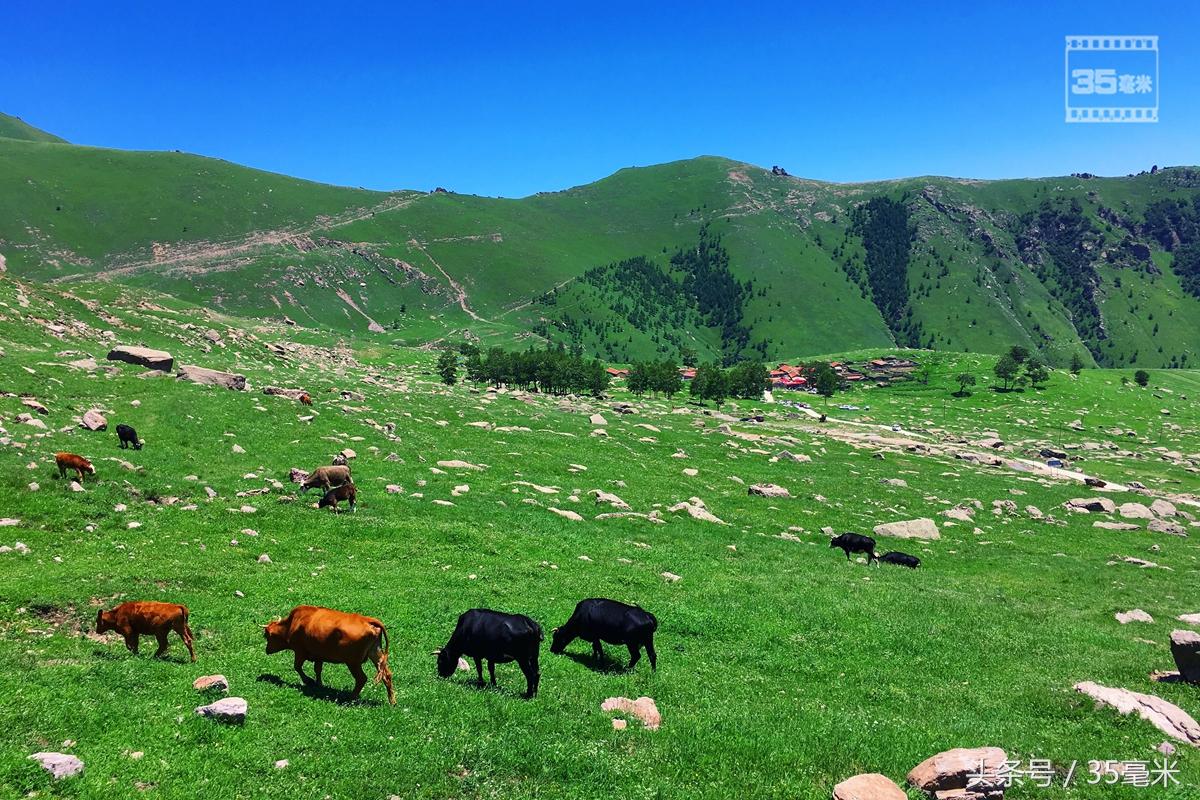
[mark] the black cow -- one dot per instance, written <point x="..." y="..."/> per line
<point x="128" y="436"/>
<point x="497" y="637"/>
<point x="855" y="543"/>
<point x="598" y="620"/>
<point x="900" y="559"/>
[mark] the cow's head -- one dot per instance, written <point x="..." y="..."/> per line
<point x="276" y="634"/>
<point x="834" y="541"/>
<point x="103" y="622"/>
<point x="446" y="663"/>
<point x="88" y="468"/>
<point x="558" y="640"/>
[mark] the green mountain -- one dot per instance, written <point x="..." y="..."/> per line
<point x="17" y="128"/>
<point x="717" y="256"/>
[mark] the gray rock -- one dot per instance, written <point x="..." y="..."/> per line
<point x="142" y="357"/>
<point x="922" y="528"/>
<point x="211" y="683"/>
<point x="212" y="377"/>
<point x="1185" y="648"/>
<point x="227" y="709"/>
<point x="60" y="765"/>
<point x="768" y="490"/>
<point x="1166" y="526"/>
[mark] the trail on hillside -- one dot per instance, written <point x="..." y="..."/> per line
<point x="182" y="255"/>
<point x="460" y="293"/>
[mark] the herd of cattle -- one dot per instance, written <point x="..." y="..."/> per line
<point x="324" y="635"/>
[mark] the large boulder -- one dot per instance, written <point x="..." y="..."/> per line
<point x="1167" y="717"/>
<point x="93" y="420"/>
<point x="143" y="357"/>
<point x="868" y="786"/>
<point x="1135" y="511"/>
<point x="1166" y="526"/>
<point x="1163" y="508"/>
<point x="212" y="377"/>
<point x="60" y="765"/>
<point x="922" y="528"/>
<point x="952" y="770"/>
<point x="1093" y="505"/>
<point x="1185" y="648"/>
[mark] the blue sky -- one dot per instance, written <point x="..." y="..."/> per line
<point x="512" y="98"/>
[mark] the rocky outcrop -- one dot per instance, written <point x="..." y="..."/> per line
<point x="142" y="357"/>
<point x="212" y="377"/>
<point x="1167" y="717"/>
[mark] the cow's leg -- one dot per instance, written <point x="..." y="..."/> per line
<point x="651" y="654"/>
<point x="635" y="654"/>
<point x="479" y="669"/>
<point x="597" y="650"/>
<point x="298" y="663"/>
<point x="492" y="671"/>
<point x="532" y="676"/>
<point x="131" y="641"/>
<point x="847" y="552"/>
<point x="162" y="644"/>
<point x="360" y="680"/>
<point x="186" y="634"/>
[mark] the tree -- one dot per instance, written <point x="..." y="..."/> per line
<point x="1036" y="372"/>
<point x="475" y="371"/>
<point x="687" y="356"/>
<point x="825" y="380"/>
<point x="749" y="380"/>
<point x="1076" y="364"/>
<point x="667" y="379"/>
<point x="964" y="379"/>
<point x="1007" y="369"/>
<point x="638" y="381"/>
<point x="1019" y="353"/>
<point x="447" y="367"/>
<point x="1141" y="377"/>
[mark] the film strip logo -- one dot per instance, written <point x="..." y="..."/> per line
<point x="1112" y="78"/>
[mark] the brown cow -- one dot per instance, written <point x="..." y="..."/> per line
<point x="66" y="461"/>
<point x="344" y="492"/>
<point x="322" y="634"/>
<point x="326" y="478"/>
<point x="305" y="400"/>
<point x="147" y="617"/>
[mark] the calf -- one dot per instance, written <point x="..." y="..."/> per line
<point x="598" y="620"/>
<point x="855" y="543"/>
<point x="326" y="478"/>
<point x="150" y="618"/>
<point x="128" y="436"/>
<point x="499" y="638"/>
<point x="66" y="461"/>
<point x="344" y="492"/>
<point x="900" y="559"/>
<point x="322" y="634"/>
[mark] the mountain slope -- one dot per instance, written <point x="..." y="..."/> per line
<point x="17" y="128"/>
<point x="1075" y="266"/>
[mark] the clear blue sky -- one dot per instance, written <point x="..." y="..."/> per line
<point x="488" y="99"/>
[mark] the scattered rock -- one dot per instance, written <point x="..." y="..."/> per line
<point x="696" y="509"/>
<point x="787" y="455"/>
<point x="898" y="482"/>
<point x="643" y="708"/>
<point x="567" y="514"/>
<point x="60" y="765"/>
<point x="212" y="377"/>
<point x="1116" y="526"/>
<point x="1167" y="717"/>
<point x="29" y="402"/>
<point x="768" y="490"/>
<point x="1166" y="526"/>
<point x="952" y="770"/>
<point x="1136" y="615"/>
<point x="868" y="786"/>
<point x="1094" y="505"/>
<point x="227" y="709"/>
<point x="922" y="528"/>
<point x="603" y="497"/>
<point x="456" y="464"/>
<point x="1135" y="511"/>
<point x="671" y="577"/>
<point x="211" y="683"/>
<point x="1163" y="508"/>
<point x="597" y="419"/>
<point x="1185" y="649"/>
<point x="142" y="357"/>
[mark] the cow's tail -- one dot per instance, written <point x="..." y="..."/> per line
<point x="383" y="674"/>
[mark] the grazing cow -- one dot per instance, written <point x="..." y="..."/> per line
<point x="598" y="620"/>
<point x="305" y="400"/>
<point x="900" y="559"/>
<point x="128" y="436"/>
<point x="326" y="478"/>
<point x="322" y="634"/>
<point x="150" y="618"/>
<point x="855" y="543"/>
<point x="344" y="492"/>
<point x="485" y="634"/>
<point x="66" y="461"/>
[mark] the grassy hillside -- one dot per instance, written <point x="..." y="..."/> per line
<point x="783" y="668"/>
<point x="17" y="128"/>
<point x="1074" y="266"/>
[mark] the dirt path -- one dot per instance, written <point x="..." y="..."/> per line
<point x="181" y="255"/>
<point x="460" y="294"/>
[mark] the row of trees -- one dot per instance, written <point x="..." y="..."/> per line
<point x="553" y="370"/>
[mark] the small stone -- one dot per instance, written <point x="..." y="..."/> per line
<point x="211" y="683"/>
<point x="264" y="559"/>
<point x="671" y="577"/>
<point x="281" y="764"/>
<point x="1136" y="615"/>
<point x="60" y="765"/>
<point x="237" y="448"/>
<point x="228" y="709"/>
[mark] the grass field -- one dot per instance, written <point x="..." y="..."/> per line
<point x="783" y="668"/>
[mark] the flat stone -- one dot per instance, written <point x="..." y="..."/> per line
<point x="922" y="528"/>
<point x="868" y="786"/>
<point x="142" y="357"/>
<point x="1136" y="615"/>
<point x="60" y="765"/>
<point x="211" y="683"/>
<point x="227" y="709"/>
<point x="953" y="769"/>
<point x="1167" y="717"/>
